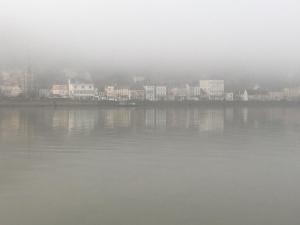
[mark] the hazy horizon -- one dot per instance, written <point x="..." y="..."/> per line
<point x="170" y="38"/>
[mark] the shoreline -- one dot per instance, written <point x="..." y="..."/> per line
<point x="90" y="103"/>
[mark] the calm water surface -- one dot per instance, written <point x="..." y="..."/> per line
<point x="145" y="166"/>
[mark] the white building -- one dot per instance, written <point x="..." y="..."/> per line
<point x="196" y="91"/>
<point x="81" y="90"/>
<point x="155" y="93"/>
<point x="213" y="89"/>
<point x="229" y="96"/>
<point x="160" y="93"/>
<point x="244" y="96"/>
<point x="150" y="93"/>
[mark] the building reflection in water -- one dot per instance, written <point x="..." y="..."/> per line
<point x="74" y="120"/>
<point x="203" y="120"/>
<point x="10" y="123"/>
<point x="31" y="126"/>
<point x="17" y="122"/>
<point x="19" y="126"/>
<point x="211" y="120"/>
<point x="245" y="115"/>
<point x="114" y="118"/>
<point x="229" y="115"/>
<point x="86" y="120"/>
<point x="60" y="119"/>
<point x="150" y="118"/>
<point x="156" y="118"/>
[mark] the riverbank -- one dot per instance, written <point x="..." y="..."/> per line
<point x="76" y="103"/>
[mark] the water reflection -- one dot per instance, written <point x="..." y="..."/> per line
<point x="115" y="164"/>
<point x="156" y="118"/>
<point x="245" y="115"/>
<point x="73" y="120"/>
<point x="114" y="118"/>
<point x="27" y="120"/>
<point x="10" y="122"/>
<point x="211" y="120"/>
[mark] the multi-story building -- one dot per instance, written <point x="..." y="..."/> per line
<point x="155" y="93"/>
<point x="137" y="94"/>
<point x="192" y="92"/>
<point x="44" y="93"/>
<point x="160" y="93"/>
<point x="150" y="93"/>
<point x="178" y="93"/>
<point x="213" y="89"/>
<point x="292" y="93"/>
<point x="258" y="95"/>
<point x="81" y="90"/>
<point x="122" y="93"/>
<point x="59" y="90"/>
<point x="12" y="83"/>
<point x="109" y="92"/>
<point x="171" y="95"/>
<point x="196" y="91"/>
<point x="113" y="93"/>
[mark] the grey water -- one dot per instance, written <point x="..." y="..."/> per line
<point x="150" y="166"/>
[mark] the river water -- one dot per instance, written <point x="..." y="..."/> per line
<point x="150" y="166"/>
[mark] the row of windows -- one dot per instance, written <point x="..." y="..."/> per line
<point x="83" y="92"/>
<point x="83" y="87"/>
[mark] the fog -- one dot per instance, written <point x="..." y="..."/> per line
<point x="164" y="37"/>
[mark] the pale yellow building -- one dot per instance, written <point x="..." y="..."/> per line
<point x="213" y="89"/>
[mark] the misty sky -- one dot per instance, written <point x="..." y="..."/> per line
<point x="153" y="35"/>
